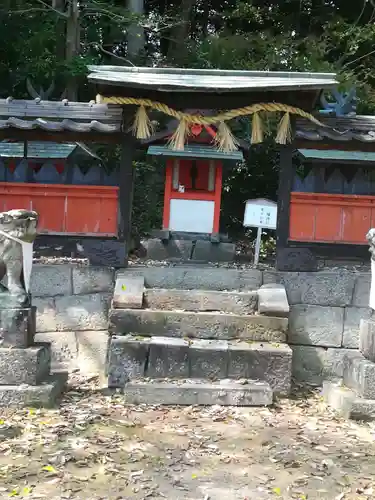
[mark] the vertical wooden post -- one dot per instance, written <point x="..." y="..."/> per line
<point x="283" y="196"/>
<point x="126" y="187"/>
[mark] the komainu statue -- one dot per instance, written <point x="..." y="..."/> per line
<point x="18" y="230"/>
<point x="370" y="236"/>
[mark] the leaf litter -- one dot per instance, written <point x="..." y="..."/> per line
<point x="94" y="446"/>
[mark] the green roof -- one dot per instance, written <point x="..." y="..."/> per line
<point x="195" y="151"/>
<point x="44" y="150"/>
<point x="333" y="154"/>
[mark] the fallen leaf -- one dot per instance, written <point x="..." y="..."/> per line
<point x="49" y="468"/>
<point x="277" y="491"/>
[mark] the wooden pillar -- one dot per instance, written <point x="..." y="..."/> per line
<point x="283" y="196"/>
<point x="126" y="187"/>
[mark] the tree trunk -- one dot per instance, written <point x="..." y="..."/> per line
<point x="180" y="34"/>
<point x="72" y="46"/>
<point x="135" y="35"/>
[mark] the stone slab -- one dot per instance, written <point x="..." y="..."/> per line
<point x="82" y="312"/>
<point x="107" y="253"/>
<point x="214" y="252"/>
<point x="270" y="362"/>
<point x="208" y="359"/>
<point x="93" y="350"/>
<point x="17" y="327"/>
<point x="51" y="280"/>
<point x="201" y="300"/>
<point x="199" y="392"/>
<point x="168" y="249"/>
<point x="128" y="292"/>
<point x="24" y="366"/>
<point x="273" y="301"/>
<point x="296" y="259"/>
<point x="43" y="395"/>
<point x="45" y="315"/>
<point x="92" y="279"/>
<point x="316" y="325"/>
<point x="359" y="375"/>
<point x="64" y="348"/>
<point x="361" y="295"/>
<point x="367" y="338"/>
<point x="347" y="403"/>
<point x="352" y="319"/>
<point x="168" y="357"/>
<point x="197" y="325"/>
<point x="308" y="364"/>
<point x="127" y="359"/>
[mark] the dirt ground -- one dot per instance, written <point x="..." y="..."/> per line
<point x="95" y="447"/>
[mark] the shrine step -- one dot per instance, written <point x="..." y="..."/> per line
<point x="347" y="402"/>
<point x="201" y="300"/>
<point x="132" y="356"/>
<point x="359" y="375"/>
<point x="198" y="392"/>
<point x="206" y="325"/>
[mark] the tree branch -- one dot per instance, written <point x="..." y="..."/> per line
<point x="102" y="49"/>
<point x="62" y="14"/>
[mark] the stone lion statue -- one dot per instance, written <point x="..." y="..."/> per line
<point x="16" y="226"/>
<point x="370" y="236"/>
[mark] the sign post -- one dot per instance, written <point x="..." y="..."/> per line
<point x="262" y="214"/>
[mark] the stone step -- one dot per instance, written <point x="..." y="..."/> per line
<point x="201" y="300"/>
<point x="132" y="356"/>
<point x="206" y="325"/>
<point x="198" y="392"/>
<point x="359" y="374"/>
<point x="24" y="366"/>
<point x="347" y="402"/>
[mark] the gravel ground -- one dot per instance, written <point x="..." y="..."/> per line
<point x="95" y="447"/>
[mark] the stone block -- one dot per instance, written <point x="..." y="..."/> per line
<point x="17" y="327"/>
<point x="308" y="364"/>
<point x="168" y="357"/>
<point x="127" y="359"/>
<point x="316" y="325"/>
<point x="88" y="279"/>
<point x="352" y="318"/>
<point x="361" y="293"/>
<point x="347" y="403"/>
<point x="196" y="392"/>
<point x="367" y="338"/>
<point x="197" y="325"/>
<point x="208" y="359"/>
<point x="207" y="251"/>
<point x="82" y="312"/>
<point x="270" y="362"/>
<point x="359" y="374"/>
<point x="107" y="253"/>
<point x="24" y="366"/>
<point x="296" y="259"/>
<point x="63" y="348"/>
<point x="51" y="281"/>
<point x="272" y="300"/>
<point x="334" y="362"/>
<point x="161" y="234"/>
<point x="45" y="315"/>
<point x="43" y="395"/>
<point x="201" y="300"/>
<point x="128" y="292"/>
<point x="93" y="350"/>
<point x="164" y="250"/>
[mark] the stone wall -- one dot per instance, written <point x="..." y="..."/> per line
<point x="326" y="308"/>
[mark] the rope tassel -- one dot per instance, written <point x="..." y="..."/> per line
<point x="142" y="127"/>
<point x="284" y="131"/>
<point x="257" y="129"/>
<point x="178" y="139"/>
<point x="225" y="140"/>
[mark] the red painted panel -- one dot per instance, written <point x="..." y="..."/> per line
<point x="356" y="223"/>
<point x="302" y="222"/>
<point x="184" y="177"/>
<point x="328" y="223"/>
<point x="203" y="167"/>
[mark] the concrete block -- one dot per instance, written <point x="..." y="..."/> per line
<point x="43" y="395"/>
<point x="214" y="252"/>
<point x="352" y="318"/>
<point x="50" y="281"/>
<point x="347" y="403"/>
<point x="168" y="357"/>
<point x="24" y="366"/>
<point x="270" y="362"/>
<point x="296" y="259"/>
<point x="103" y="252"/>
<point x="272" y="300"/>
<point x="195" y="392"/>
<point x="308" y="364"/>
<point x="93" y="347"/>
<point x="171" y="249"/>
<point x="316" y="325"/>
<point x="128" y="292"/>
<point x="201" y="300"/>
<point x="367" y="338"/>
<point x="88" y="279"/>
<point x="64" y="349"/>
<point x="208" y="359"/>
<point x="45" y="315"/>
<point x="361" y="295"/>
<point x="359" y="375"/>
<point x="17" y="327"/>
<point x="82" y="312"/>
<point x="197" y="325"/>
<point x="334" y="362"/>
<point x="127" y="359"/>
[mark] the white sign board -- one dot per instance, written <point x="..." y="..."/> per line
<point x="260" y="213"/>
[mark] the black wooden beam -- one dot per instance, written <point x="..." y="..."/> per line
<point x="126" y="188"/>
<point x="283" y="196"/>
